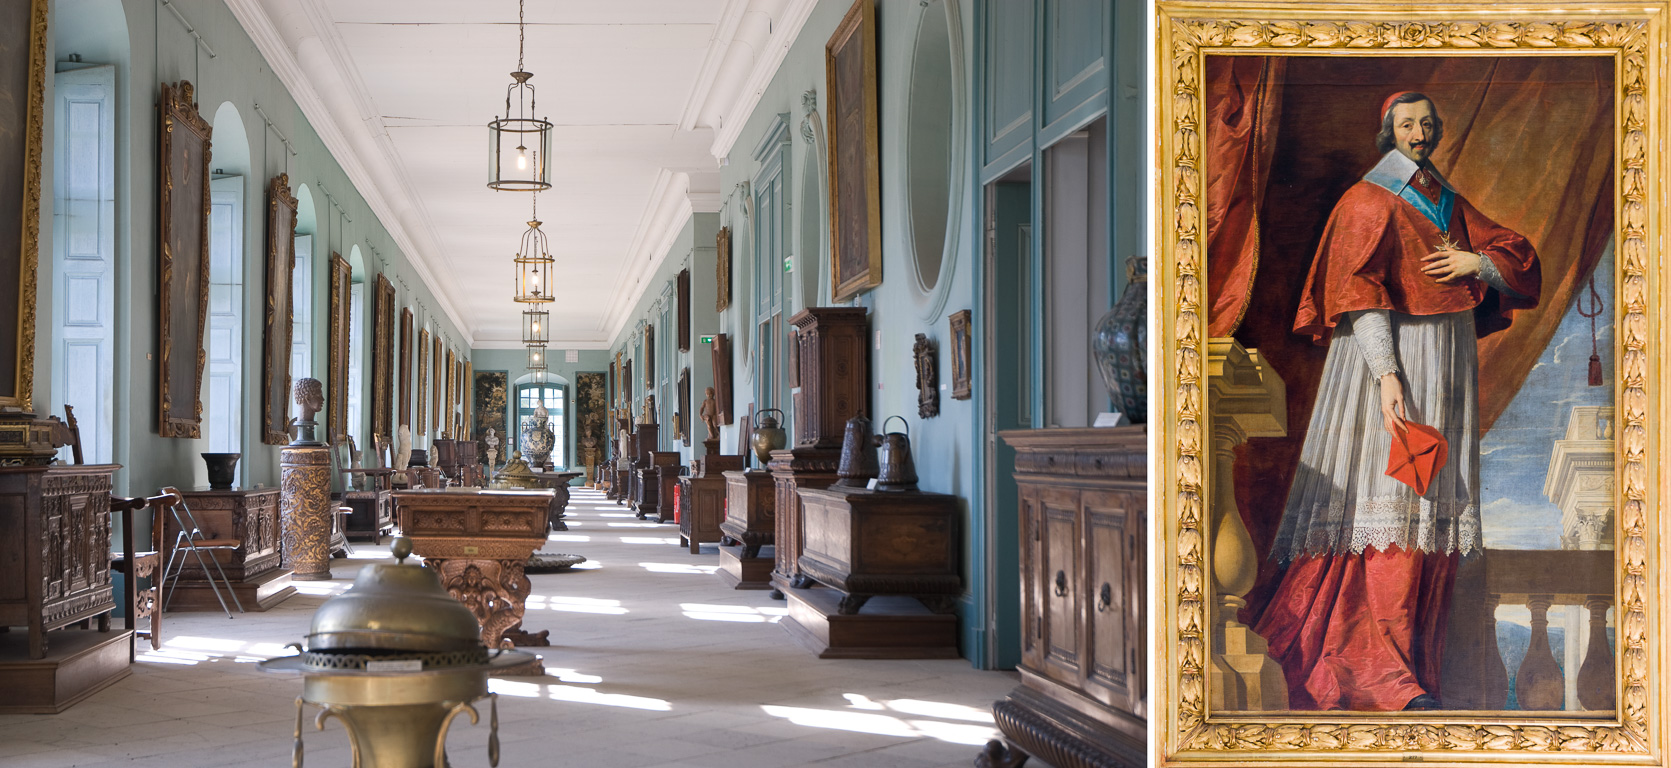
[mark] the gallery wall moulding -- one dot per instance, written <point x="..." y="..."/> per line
<point x="1587" y="86"/>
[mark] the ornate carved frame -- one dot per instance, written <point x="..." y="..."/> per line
<point x="451" y="376"/>
<point x="722" y="377"/>
<point x="275" y="353"/>
<point x="961" y="355"/>
<point x="337" y="397"/>
<point x="423" y="384"/>
<point x="182" y="255"/>
<point x="382" y="358"/>
<point x="857" y="28"/>
<point x="682" y="309"/>
<point x="722" y="270"/>
<point x="440" y="384"/>
<point x="1636" y="35"/>
<point x="20" y="391"/>
<point x="403" y="415"/>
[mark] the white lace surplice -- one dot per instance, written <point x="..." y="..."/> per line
<point x="1341" y="500"/>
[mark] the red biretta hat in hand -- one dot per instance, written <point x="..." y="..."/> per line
<point x="1416" y="456"/>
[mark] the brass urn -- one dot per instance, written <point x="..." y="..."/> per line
<point x="396" y="658"/>
<point x="768" y="436"/>
<point x="896" y="471"/>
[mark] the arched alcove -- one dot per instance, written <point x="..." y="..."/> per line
<point x="307" y="216"/>
<point x="230" y="156"/>
<point x="356" y="263"/>
<point x="932" y="136"/>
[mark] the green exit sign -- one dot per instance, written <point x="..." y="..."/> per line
<point x="788" y="265"/>
<point x="707" y="339"/>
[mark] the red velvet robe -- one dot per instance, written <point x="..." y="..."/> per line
<point x="1366" y="631"/>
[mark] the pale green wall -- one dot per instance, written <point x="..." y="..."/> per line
<point x="150" y="46"/>
<point x="514" y="362"/>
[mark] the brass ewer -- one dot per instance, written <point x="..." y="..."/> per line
<point x="395" y="659"/>
<point x="858" y="453"/>
<point x="897" y="472"/>
<point x="768" y="436"/>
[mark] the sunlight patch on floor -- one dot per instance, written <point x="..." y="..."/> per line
<point x="567" y="537"/>
<point x="648" y="540"/>
<point x="577" y="695"/>
<point x="890" y="725"/>
<point x="705" y="570"/>
<point x="735" y="613"/>
<point x="575" y="604"/>
<point x="635" y="525"/>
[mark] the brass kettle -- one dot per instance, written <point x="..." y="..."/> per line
<point x="768" y="436"/>
<point x="897" y="472"/>
<point x="858" y="453"/>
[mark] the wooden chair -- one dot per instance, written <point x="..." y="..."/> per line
<point x="135" y="564"/>
<point x="190" y="539"/>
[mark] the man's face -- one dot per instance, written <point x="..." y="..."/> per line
<point x="1413" y="129"/>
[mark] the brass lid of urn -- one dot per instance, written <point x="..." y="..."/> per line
<point x="394" y="608"/>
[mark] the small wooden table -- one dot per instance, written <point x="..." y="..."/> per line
<point x="558" y="482"/>
<point x="478" y="541"/>
<point x="250" y="515"/>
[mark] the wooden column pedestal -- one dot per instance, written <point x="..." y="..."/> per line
<point x="749" y="529"/>
<point x="250" y="516"/>
<point x="305" y="511"/>
<point x="793" y="470"/>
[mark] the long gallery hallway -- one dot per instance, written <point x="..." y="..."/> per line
<point x="653" y="663"/>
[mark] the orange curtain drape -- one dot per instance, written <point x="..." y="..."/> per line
<point x="1528" y="140"/>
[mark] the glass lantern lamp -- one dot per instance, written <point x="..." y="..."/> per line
<point x="536" y="357"/>
<point x="536" y="326"/>
<point x="533" y="265"/>
<point x="519" y="143"/>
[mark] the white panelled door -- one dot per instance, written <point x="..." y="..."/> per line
<point x="223" y="411"/>
<point x="84" y="251"/>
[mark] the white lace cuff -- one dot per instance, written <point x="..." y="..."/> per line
<point x="1494" y="277"/>
<point x="1372" y="330"/>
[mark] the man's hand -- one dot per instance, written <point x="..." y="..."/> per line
<point x="1449" y="266"/>
<point x="1393" y="412"/>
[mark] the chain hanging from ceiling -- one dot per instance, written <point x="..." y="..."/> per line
<point x="519" y="143"/>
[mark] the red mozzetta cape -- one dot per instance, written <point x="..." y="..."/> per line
<point x="1371" y="256"/>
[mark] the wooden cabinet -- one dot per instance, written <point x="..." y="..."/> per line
<point x="251" y="516"/>
<point x="750" y="523"/>
<point x="1083" y="698"/>
<point x="55" y="565"/>
<point x="701" y="510"/>
<point x="668" y="475"/>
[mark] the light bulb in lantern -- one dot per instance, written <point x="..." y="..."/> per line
<point x="521" y="158"/>
<point x="536" y="326"/>
<point x="536" y="357"/>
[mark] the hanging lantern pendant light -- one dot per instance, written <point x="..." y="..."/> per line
<point x="534" y="264"/>
<point x="519" y="143"/>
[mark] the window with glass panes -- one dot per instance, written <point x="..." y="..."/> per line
<point x="528" y="397"/>
<point x="771" y="279"/>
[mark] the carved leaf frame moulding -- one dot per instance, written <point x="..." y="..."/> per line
<point x="1636" y="35"/>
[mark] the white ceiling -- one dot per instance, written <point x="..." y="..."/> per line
<point x="401" y="92"/>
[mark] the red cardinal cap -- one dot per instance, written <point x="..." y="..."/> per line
<point x="1416" y="456"/>
<point x="1386" y="106"/>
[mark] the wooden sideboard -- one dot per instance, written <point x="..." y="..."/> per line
<point x="668" y="475"/>
<point x="647" y="485"/>
<point x="1082" y="702"/>
<point x="250" y="515"/>
<point x="56" y="521"/>
<point x="701" y="510"/>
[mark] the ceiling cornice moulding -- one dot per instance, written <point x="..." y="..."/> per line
<point x="281" y="56"/>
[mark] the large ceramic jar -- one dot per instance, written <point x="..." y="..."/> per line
<point x="1119" y="341"/>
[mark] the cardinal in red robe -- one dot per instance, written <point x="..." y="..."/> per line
<point x="1407" y="277"/>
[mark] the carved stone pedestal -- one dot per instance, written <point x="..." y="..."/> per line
<point x="305" y="511"/>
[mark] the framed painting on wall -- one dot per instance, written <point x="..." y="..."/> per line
<point x="683" y="309"/>
<point x="23" y="40"/>
<point x="275" y="351"/>
<point x="489" y="410"/>
<point x="855" y="154"/>
<point x="722" y="270"/>
<point x="1389" y="235"/>
<point x="422" y="411"/>
<point x="382" y="358"/>
<point x="337" y="349"/>
<point x="403" y="414"/>
<point x="182" y="260"/>
<point x="961" y="388"/>
<point x="722" y="377"/>
<point x="447" y="424"/>
<point x="437" y="375"/>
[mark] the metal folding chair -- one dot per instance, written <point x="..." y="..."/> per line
<point x="190" y="538"/>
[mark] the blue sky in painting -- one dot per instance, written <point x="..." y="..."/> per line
<point x="1514" y="456"/>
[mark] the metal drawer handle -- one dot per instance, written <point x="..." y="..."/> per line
<point x="1061" y="584"/>
<point x="1106" y="598"/>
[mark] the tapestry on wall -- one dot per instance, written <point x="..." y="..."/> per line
<point x="592" y="408"/>
<point x="490" y="409"/>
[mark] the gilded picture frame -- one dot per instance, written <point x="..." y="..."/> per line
<point x="722" y="270"/>
<point x="23" y="88"/>
<point x="338" y="344"/>
<point x="403" y="412"/>
<point x="382" y="358"/>
<point x="422" y="411"/>
<point x="1213" y="394"/>
<point x="275" y="352"/>
<point x="962" y="389"/>
<point x="855" y="154"/>
<point x="184" y="152"/>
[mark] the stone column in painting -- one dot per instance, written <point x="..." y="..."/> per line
<point x="1245" y="399"/>
<point x="1580" y="483"/>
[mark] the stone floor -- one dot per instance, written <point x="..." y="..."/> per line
<point x="653" y="663"/>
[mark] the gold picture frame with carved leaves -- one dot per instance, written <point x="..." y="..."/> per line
<point x="1407" y="486"/>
